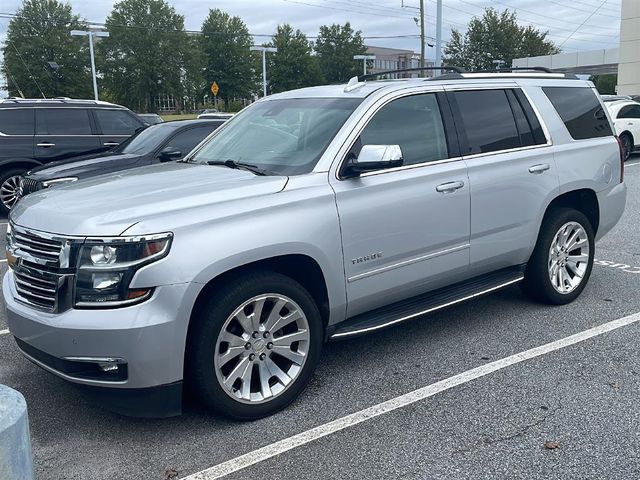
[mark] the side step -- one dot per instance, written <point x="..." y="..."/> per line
<point x="428" y="302"/>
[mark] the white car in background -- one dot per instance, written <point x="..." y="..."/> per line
<point x="626" y="118"/>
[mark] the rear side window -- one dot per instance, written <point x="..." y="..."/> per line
<point x="117" y="122"/>
<point x="185" y="141"/>
<point x="62" y="121"/>
<point x="14" y="121"/>
<point x="630" y="111"/>
<point x="580" y="111"/>
<point x="487" y="121"/>
<point x="412" y="122"/>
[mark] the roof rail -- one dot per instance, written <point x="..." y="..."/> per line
<point x="371" y="76"/>
<point x="526" y="69"/>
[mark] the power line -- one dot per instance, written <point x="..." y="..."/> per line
<point x="29" y="71"/>
<point x="585" y="21"/>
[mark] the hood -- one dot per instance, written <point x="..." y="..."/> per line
<point x="110" y="204"/>
<point x="98" y="153"/>
<point x="84" y="167"/>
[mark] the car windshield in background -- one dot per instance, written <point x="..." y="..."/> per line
<point x="145" y="140"/>
<point x="283" y="137"/>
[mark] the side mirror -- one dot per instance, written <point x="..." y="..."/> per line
<point x="374" y="157"/>
<point x="169" y="153"/>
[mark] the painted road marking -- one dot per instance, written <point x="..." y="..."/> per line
<point x="631" y="164"/>
<point x="282" y="446"/>
<point x="621" y="266"/>
<point x="4" y="332"/>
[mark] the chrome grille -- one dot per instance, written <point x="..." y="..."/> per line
<point x="36" y="246"/>
<point x="28" y="185"/>
<point x="37" y="288"/>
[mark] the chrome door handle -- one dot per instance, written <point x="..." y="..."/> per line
<point x="449" y="187"/>
<point x="543" y="167"/>
<point x="111" y="144"/>
<point x="46" y="145"/>
<point x="630" y="123"/>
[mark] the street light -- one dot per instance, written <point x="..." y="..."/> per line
<point x="264" y="50"/>
<point x="90" y="34"/>
<point x="498" y="63"/>
<point x="364" y="59"/>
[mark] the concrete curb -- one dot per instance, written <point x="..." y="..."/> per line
<point x="15" y="444"/>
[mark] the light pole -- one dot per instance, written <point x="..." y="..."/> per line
<point x="90" y="34"/>
<point x="364" y="59"/>
<point x="264" y="50"/>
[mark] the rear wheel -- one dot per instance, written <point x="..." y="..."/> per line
<point x="561" y="263"/>
<point x="9" y="189"/>
<point x="627" y="145"/>
<point x="253" y="348"/>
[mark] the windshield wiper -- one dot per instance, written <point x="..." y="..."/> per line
<point x="238" y="166"/>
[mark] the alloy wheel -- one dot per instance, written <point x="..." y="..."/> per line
<point x="262" y="348"/>
<point x="568" y="257"/>
<point x="10" y="191"/>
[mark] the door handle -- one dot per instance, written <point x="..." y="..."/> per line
<point x="111" y="144"/>
<point x="449" y="187"/>
<point x="630" y="123"/>
<point x="46" y="145"/>
<point x="543" y="167"/>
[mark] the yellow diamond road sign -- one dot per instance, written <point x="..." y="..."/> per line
<point x="215" y="88"/>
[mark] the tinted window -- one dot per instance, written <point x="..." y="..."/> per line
<point x="630" y="111"/>
<point x="186" y="140"/>
<point x="414" y="123"/>
<point x="580" y="111"/>
<point x="62" y="121"/>
<point x="14" y="121"/>
<point x="539" y="137"/>
<point x="117" y="122"/>
<point x="487" y="120"/>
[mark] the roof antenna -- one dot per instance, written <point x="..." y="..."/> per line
<point x="353" y="84"/>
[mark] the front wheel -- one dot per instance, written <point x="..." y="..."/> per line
<point x="253" y="347"/>
<point x="561" y="263"/>
<point x="9" y="189"/>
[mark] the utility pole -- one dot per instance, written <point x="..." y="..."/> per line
<point x="439" y="36"/>
<point x="264" y="50"/>
<point x="90" y="34"/>
<point x="421" y="36"/>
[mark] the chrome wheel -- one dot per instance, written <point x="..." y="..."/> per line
<point x="568" y="257"/>
<point x="10" y="191"/>
<point x="262" y="348"/>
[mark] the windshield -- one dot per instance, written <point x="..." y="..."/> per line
<point x="282" y="137"/>
<point x="145" y="141"/>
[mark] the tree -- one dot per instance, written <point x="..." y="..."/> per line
<point x="144" y="56"/>
<point x="606" y="84"/>
<point x="293" y="65"/>
<point x="336" y="45"/>
<point x="495" y="36"/>
<point x="225" y="44"/>
<point x="37" y="35"/>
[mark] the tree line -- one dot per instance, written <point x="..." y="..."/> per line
<point x="149" y="53"/>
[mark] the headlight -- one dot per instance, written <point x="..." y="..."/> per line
<point x="106" y="267"/>
<point x="58" y="181"/>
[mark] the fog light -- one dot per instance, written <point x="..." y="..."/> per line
<point x="108" y="367"/>
<point x="103" y="281"/>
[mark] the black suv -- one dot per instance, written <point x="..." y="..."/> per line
<point x="34" y="132"/>
<point x="158" y="143"/>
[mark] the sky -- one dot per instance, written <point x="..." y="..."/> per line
<point x="576" y="25"/>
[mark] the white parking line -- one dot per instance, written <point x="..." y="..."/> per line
<point x="631" y="164"/>
<point x="4" y="332"/>
<point x="321" y="431"/>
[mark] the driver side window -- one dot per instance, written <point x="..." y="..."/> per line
<point x="412" y="122"/>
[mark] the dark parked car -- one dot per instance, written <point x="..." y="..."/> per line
<point x="158" y="143"/>
<point x="35" y="132"/>
<point x="151" y="118"/>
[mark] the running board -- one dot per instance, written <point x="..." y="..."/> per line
<point x="429" y="302"/>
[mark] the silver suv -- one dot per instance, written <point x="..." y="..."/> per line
<point x="313" y="215"/>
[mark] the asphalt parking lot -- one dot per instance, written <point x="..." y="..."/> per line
<point x="581" y="401"/>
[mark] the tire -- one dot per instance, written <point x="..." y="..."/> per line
<point x="8" y="193"/>
<point x="222" y="318"/>
<point x="546" y="264"/>
<point x="627" y="145"/>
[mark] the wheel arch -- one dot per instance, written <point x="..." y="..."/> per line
<point x="300" y="267"/>
<point x="584" y="200"/>
<point x="17" y="162"/>
<point x="630" y="135"/>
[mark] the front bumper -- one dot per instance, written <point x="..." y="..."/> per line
<point x="148" y="337"/>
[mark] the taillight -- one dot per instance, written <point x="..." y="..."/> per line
<point x="621" y="146"/>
